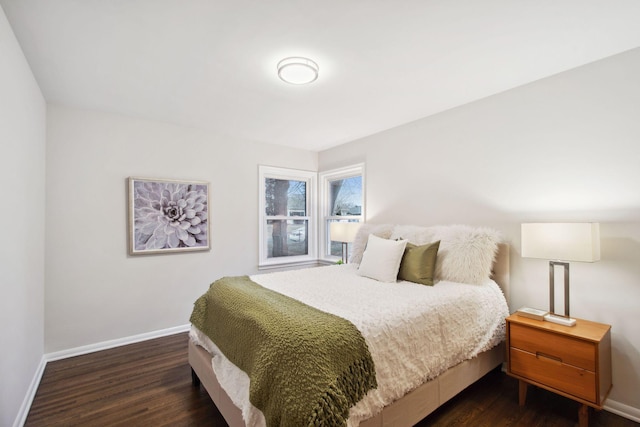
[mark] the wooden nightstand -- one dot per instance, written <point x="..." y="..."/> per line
<point x="573" y="361"/>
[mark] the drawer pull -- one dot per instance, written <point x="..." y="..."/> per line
<point x="541" y="355"/>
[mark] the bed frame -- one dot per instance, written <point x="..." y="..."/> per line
<point x="406" y="411"/>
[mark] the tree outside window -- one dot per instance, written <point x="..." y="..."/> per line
<point x="287" y="236"/>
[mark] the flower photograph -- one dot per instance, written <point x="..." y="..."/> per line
<point x="168" y="216"/>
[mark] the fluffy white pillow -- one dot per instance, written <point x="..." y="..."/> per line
<point x="466" y="253"/>
<point x="413" y="233"/>
<point x="360" y="241"/>
<point x="381" y="259"/>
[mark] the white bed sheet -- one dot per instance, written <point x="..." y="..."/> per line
<point x="414" y="332"/>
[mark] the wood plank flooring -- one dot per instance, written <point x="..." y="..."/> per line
<point x="149" y="384"/>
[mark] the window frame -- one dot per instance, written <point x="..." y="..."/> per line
<point x="325" y="178"/>
<point x="272" y="172"/>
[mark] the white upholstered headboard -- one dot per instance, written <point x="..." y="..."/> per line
<point x="458" y="237"/>
<point x="500" y="270"/>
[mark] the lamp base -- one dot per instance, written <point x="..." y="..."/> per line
<point x="560" y="320"/>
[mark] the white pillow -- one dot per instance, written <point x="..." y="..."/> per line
<point x="381" y="259"/>
<point x="414" y="234"/>
<point x="360" y="241"/>
<point x="466" y="253"/>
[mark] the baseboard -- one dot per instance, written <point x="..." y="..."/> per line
<point x="85" y="349"/>
<point x="623" y="410"/>
<point x="21" y="418"/>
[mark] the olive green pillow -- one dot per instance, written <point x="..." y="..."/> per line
<point x="419" y="263"/>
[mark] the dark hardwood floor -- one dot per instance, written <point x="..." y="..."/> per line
<point x="149" y="384"/>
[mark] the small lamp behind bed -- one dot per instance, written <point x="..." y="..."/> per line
<point x="561" y="242"/>
<point x="344" y="232"/>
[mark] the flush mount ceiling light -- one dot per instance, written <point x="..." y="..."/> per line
<point x="297" y="70"/>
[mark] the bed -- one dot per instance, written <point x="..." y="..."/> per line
<point x="474" y="257"/>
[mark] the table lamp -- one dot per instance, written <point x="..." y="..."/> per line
<point x="561" y="243"/>
<point x="344" y="232"/>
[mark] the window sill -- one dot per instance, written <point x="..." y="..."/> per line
<point x="291" y="264"/>
<point x="328" y="261"/>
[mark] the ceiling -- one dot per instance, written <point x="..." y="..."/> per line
<point x="212" y="64"/>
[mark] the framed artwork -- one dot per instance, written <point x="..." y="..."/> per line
<point x="168" y="216"/>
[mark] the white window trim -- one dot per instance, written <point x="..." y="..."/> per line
<point x="296" y="175"/>
<point x="323" y="218"/>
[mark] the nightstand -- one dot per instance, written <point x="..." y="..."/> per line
<point x="573" y="361"/>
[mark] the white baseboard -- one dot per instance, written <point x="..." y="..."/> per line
<point x="21" y="418"/>
<point x="85" y="349"/>
<point x="623" y="410"/>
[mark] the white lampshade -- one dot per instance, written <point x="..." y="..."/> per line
<point x="561" y="241"/>
<point x="343" y="231"/>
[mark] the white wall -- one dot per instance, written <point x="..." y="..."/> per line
<point x="94" y="291"/>
<point x="566" y="148"/>
<point x="22" y="174"/>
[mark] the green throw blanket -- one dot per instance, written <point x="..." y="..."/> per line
<point x="307" y="367"/>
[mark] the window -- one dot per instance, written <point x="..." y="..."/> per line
<point x="341" y="199"/>
<point x="287" y="216"/>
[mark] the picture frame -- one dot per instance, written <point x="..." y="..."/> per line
<point x="167" y="216"/>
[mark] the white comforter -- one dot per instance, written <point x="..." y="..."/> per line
<point x="414" y="332"/>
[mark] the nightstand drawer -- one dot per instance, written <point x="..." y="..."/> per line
<point x="571" y="351"/>
<point x="553" y="373"/>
